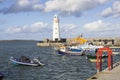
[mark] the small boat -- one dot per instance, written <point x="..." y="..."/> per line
<point x="34" y="62"/>
<point x="74" y="49"/>
<point x="1" y="76"/>
<point x="92" y="58"/>
<point x="70" y="52"/>
<point x="87" y="47"/>
<point x="67" y="51"/>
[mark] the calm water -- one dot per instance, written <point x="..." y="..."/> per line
<point x="56" y="67"/>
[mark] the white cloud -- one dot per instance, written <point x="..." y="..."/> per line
<point x="68" y="27"/>
<point x="112" y="11"/>
<point x="70" y="30"/>
<point x="71" y="7"/>
<point x="14" y="30"/>
<point x="107" y="12"/>
<point x="101" y="29"/>
<point x="41" y="29"/>
<point x="97" y="25"/>
<point x="23" y="6"/>
<point x="64" y="7"/>
<point x="35" y="27"/>
<point x="23" y="2"/>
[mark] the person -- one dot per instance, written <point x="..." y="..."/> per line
<point x="24" y="59"/>
<point x="96" y="50"/>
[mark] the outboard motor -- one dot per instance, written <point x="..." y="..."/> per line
<point x="37" y="61"/>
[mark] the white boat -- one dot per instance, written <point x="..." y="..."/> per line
<point x="34" y="62"/>
<point x="69" y="51"/>
<point x="87" y="48"/>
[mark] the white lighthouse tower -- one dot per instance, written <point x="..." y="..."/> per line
<point x="56" y="29"/>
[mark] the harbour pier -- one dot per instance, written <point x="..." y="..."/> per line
<point x="113" y="74"/>
<point x="48" y="44"/>
<point x="111" y="42"/>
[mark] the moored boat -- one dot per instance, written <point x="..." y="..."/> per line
<point x="70" y="53"/>
<point x="77" y="50"/>
<point x="86" y="47"/>
<point x="67" y="51"/>
<point x="33" y="62"/>
<point x="93" y="58"/>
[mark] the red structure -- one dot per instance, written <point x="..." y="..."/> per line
<point x="99" y="58"/>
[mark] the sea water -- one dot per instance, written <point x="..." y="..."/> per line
<point x="56" y="67"/>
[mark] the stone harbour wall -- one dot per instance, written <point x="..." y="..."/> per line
<point x="105" y="41"/>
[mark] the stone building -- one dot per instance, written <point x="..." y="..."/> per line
<point x="105" y="41"/>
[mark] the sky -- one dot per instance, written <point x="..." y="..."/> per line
<point x="33" y="19"/>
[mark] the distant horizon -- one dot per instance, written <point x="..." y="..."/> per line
<point x="33" y="19"/>
<point x="62" y="38"/>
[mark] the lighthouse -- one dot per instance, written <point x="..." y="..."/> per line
<point x="56" y="29"/>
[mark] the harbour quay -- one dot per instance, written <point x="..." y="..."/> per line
<point x="111" y="42"/>
<point x="48" y="44"/>
<point x="113" y="74"/>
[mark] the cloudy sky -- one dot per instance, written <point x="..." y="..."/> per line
<point x="32" y="19"/>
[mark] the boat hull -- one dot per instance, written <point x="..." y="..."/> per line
<point x="70" y="53"/>
<point x="94" y="59"/>
<point x="17" y="62"/>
